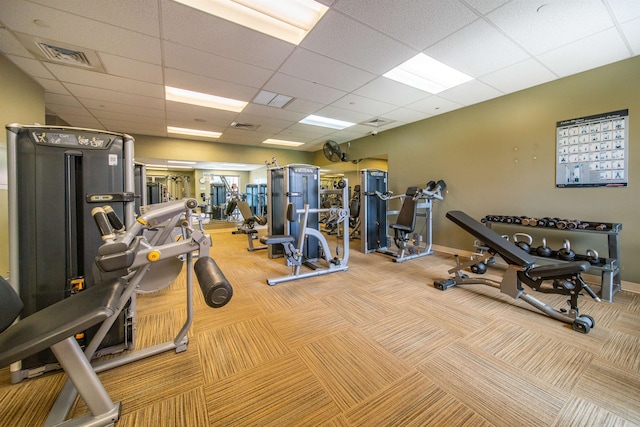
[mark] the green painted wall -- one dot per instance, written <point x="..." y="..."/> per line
<point x="498" y="157"/>
<point x="21" y="101"/>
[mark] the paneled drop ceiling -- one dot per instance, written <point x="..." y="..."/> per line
<point x="140" y="46"/>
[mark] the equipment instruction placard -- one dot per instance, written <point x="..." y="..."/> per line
<point x="593" y="151"/>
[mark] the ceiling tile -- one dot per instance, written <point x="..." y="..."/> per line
<point x="140" y="15"/>
<point x="631" y="32"/>
<point x="363" y="105"/>
<point x="9" y="45"/>
<point x="341" y="114"/>
<point x="132" y="69"/>
<point x="184" y="80"/>
<point x="527" y="73"/>
<point x="52" y="86"/>
<point x="133" y="110"/>
<point x="540" y="28"/>
<point x="600" y="49"/>
<point x="316" y="68"/>
<point x="218" y="67"/>
<point x="329" y="35"/>
<point x="190" y="27"/>
<point x="406" y="115"/>
<point x="484" y="6"/>
<point x="98" y="94"/>
<point x="30" y="66"/>
<point x="303" y="106"/>
<point x="470" y="93"/>
<point x="299" y="88"/>
<point x="264" y="111"/>
<point x="477" y="49"/>
<point x="417" y="23"/>
<point x="390" y="91"/>
<point x="105" y="81"/>
<point x="434" y="105"/>
<point x="625" y="10"/>
<point x="59" y="99"/>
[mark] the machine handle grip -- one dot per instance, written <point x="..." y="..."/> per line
<point x="100" y="217"/>
<point x="114" y="219"/>
<point x="215" y="287"/>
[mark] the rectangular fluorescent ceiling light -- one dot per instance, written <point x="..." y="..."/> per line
<point x="165" y="167"/>
<point x="427" y="74"/>
<point x="281" y="142"/>
<point x="193" y="132"/>
<point x="203" y="99"/>
<point x="325" y="122"/>
<point x="288" y="20"/>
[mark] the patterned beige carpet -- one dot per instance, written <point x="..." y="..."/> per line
<point x="376" y="345"/>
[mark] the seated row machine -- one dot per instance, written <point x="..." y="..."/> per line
<point x="130" y="255"/>
<point x="294" y="249"/>
<point x="562" y="279"/>
<point x="409" y="244"/>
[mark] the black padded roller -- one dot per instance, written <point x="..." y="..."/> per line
<point x="215" y="287"/>
<point x="100" y="217"/>
<point x="114" y="219"/>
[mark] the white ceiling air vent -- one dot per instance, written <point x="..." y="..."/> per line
<point x="377" y="122"/>
<point x="61" y="53"/>
<point x="244" y="126"/>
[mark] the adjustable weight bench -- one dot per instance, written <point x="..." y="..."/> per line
<point x="55" y="327"/>
<point x="564" y="278"/>
<point x="248" y="224"/>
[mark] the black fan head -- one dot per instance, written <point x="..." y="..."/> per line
<point x="332" y="151"/>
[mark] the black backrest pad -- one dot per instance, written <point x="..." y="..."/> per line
<point x="408" y="210"/>
<point x="59" y="321"/>
<point x="10" y="304"/>
<point x="511" y="253"/>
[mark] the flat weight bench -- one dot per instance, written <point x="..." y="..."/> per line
<point x="565" y="278"/>
<point x="55" y="327"/>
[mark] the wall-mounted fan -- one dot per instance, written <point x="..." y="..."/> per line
<point x="332" y="152"/>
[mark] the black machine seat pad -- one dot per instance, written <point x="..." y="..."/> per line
<point x="59" y="321"/>
<point x="511" y="253"/>
<point x="558" y="270"/>
<point x="274" y="240"/>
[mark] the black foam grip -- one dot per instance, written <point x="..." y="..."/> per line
<point x="103" y="224"/>
<point x="114" y="219"/>
<point x="215" y="287"/>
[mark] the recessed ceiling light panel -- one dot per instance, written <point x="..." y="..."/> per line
<point x="288" y="20"/>
<point x="193" y="132"/>
<point x="325" y="122"/>
<point x="427" y="74"/>
<point x="282" y="142"/>
<point x="203" y="99"/>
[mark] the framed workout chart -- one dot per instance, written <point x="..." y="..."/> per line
<point x="593" y="151"/>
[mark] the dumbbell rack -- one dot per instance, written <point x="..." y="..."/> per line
<point x="608" y="268"/>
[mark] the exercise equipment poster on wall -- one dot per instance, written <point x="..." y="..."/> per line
<point x="593" y="151"/>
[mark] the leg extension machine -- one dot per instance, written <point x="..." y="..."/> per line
<point x="563" y="279"/>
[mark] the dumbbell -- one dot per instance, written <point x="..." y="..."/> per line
<point x="566" y="253"/>
<point x="525" y="246"/>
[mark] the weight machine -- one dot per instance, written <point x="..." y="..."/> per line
<point x="416" y="202"/>
<point x="294" y="248"/>
<point x="130" y="256"/>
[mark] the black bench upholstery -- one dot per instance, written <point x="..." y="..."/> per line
<point x="511" y="253"/>
<point x="58" y="321"/>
